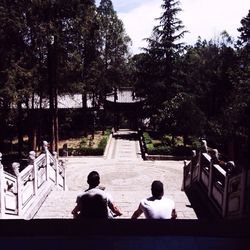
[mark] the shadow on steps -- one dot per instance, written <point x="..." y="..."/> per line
<point x="201" y="204"/>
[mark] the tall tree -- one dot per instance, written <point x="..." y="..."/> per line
<point x="114" y="47"/>
<point x="15" y="65"/>
<point x="241" y="101"/>
<point x="209" y="73"/>
<point x="164" y="48"/>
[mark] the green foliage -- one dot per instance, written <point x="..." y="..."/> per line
<point x="83" y="142"/>
<point x="147" y="138"/>
<point x="244" y="29"/>
<point x="103" y="142"/>
<point x="107" y="131"/>
<point x="86" y="146"/>
<point x="163" y="150"/>
<point x="85" y="151"/>
<point x="167" y="145"/>
<point x="57" y="47"/>
<point x="113" y="47"/>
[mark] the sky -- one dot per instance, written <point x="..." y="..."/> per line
<point x="204" y="18"/>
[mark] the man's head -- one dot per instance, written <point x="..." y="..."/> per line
<point x="93" y="179"/>
<point x="157" y="189"/>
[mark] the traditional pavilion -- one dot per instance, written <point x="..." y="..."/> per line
<point x="126" y="108"/>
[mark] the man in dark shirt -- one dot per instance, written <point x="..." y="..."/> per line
<point x="94" y="202"/>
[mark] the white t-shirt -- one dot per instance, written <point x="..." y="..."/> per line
<point x="157" y="209"/>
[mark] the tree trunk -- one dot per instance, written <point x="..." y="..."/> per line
<point x="56" y="96"/>
<point x="56" y="122"/>
<point x="52" y="79"/>
<point x="20" y="129"/>
<point x="51" y="95"/>
<point x="33" y="122"/>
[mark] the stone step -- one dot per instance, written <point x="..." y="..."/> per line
<point x="59" y="204"/>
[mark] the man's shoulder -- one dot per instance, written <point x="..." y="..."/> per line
<point x="95" y="191"/>
<point x="168" y="200"/>
<point x="146" y="200"/>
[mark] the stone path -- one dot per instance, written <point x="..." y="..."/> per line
<point x="125" y="146"/>
<point x="126" y="177"/>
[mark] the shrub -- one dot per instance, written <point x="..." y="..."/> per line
<point x="150" y="146"/>
<point x="107" y="131"/>
<point x="165" y="147"/>
<point x="164" y="150"/>
<point x="85" y="151"/>
<point x="102" y="144"/>
<point x="194" y="142"/>
<point x="83" y="142"/>
<point x="147" y="138"/>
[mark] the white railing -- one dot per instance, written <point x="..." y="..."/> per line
<point x="22" y="193"/>
<point x="225" y="190"/>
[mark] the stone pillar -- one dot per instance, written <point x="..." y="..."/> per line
<point x="56" y="167"/>
<point x="32" y="157"/>
<point x="15" y="167"/>
<point x="63" y="166"/>
<point x="192" y="165"/>
<point x="210" y="179"/>
<point x="46" y="152"/>
<point x="199" y="165"/>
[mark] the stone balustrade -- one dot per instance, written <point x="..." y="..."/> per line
<point x="224" y="185"/>
<point x="23" y="192"/>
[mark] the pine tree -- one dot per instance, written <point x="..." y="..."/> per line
<point x="164" y="48"/>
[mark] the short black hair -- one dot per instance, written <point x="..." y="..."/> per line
<point x="157" y="189"/>
<point x="93" y="179"/>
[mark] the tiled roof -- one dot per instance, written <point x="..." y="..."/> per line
<point x="64" y="101"/>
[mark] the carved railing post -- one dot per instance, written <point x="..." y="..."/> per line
<point x="192" y="165"/>
<point x="56" y="167"/>
<point x="64" y="175"/>
<point x="202" y="150"/>
<point x="225" y="197"/>
<point x="183" y="187"/>
<point x="15" y="167"/>
<point x="32" y="157"/>
<point x="46" y="152"/>
<point x="2" y="206"/>
<point x="210" y="179"/>
<point x="199" y="165"/>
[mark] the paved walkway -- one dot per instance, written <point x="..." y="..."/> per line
<point x="126" y="177"/>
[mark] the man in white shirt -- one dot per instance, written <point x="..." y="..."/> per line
<point x="94" y="202"/>
<point x="157" y="206"/>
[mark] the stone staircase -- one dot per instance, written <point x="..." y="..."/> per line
<point x="59" y="204"/>
<point x="124" y="146"/>
<point x="126" y="177"/>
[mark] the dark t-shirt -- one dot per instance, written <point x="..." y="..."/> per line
<point x="93" y="204"/>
